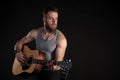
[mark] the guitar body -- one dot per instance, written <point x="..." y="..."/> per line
<point x="35" y="60"/>
<point x="29" y="67"/>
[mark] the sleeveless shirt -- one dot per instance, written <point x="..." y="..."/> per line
<point x="46" y="46"/>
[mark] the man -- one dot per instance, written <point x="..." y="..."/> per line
<point x="48" y="39"/>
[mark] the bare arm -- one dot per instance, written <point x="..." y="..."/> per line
<point x="26" y="39"/>
<point x="19" y="44"/>
<point x="60" y="50"/>
<point x="61" y="47"/>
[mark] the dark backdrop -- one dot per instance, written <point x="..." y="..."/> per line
<point x="90" y="27"/>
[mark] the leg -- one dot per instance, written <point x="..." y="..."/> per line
<point x="50" y="75"/>
<point x="27" y="77"/>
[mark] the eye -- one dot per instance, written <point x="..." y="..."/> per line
<point x="50" y="18"/>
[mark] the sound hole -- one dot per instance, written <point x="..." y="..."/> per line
<point x="27" y="64"/>
<point x="29" y="60"/>
<point x="24" y="67"/>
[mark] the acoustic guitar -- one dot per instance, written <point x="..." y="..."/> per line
<point x="35" y="60"/>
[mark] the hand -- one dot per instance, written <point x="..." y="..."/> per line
<point x="55" y="67"/>
<point x="52" y="66"/>
<point x="21" y="57"/>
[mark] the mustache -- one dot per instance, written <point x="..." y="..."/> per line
<point x="50" y="28"/>
<point x="54" y="24"/>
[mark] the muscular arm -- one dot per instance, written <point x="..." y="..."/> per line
<point x="61" y="47"/>
<point x="26" y="39"/>
<point x="60" y="50"/>
<point x="19" y="44"/>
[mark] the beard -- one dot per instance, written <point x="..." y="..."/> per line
<point x="51" y="28"/>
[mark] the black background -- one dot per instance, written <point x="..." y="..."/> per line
<point x="90" y="27"/>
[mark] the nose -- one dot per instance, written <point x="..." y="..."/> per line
<point x="53" y="20"/>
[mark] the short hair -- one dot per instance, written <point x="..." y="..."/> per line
<point x="48" y="9"/>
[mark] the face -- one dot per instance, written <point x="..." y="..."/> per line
<point x="51" y="21"/>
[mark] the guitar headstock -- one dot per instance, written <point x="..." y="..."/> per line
<point x="65" y="64"/>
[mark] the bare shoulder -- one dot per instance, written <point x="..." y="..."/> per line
<point x="61" y="36"/>
<point x="61" y="39"/>
<point x="33" y="33"/>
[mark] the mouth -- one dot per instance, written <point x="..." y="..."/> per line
<point x="54" y="24"/>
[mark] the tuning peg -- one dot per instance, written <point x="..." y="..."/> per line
<point x="69" y="60"/>
<point x="61" y="68"/>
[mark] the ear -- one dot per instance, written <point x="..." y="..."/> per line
<point x="44" y="19"/>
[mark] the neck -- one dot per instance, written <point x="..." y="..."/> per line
<point x="47" y="31"/>
<point x="47" y="35"/>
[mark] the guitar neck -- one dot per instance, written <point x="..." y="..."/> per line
<point x="43" y="62"/>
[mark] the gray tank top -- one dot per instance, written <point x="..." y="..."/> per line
<point x="46" y="46"/>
